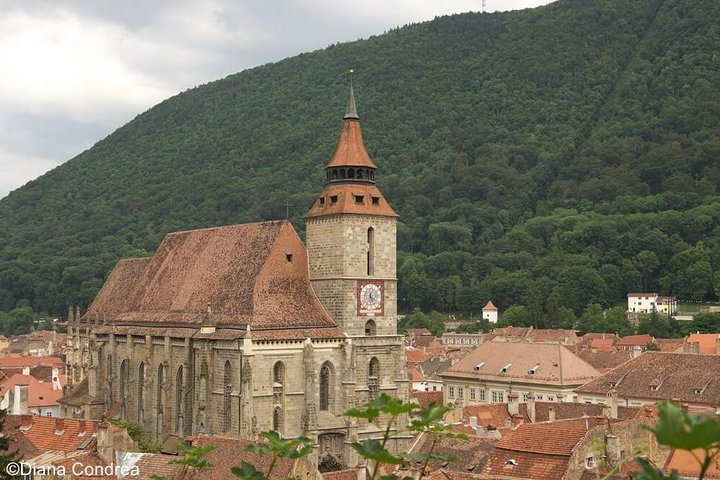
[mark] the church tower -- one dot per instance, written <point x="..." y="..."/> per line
<point x="351" y="240"/>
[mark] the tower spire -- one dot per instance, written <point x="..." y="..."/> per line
<point x="351" y="111"/>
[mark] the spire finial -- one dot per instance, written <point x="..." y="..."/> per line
<point x="351" y="111"/>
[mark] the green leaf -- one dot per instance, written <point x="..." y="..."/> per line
<point x="678" y="429"/>
<point x="247" y="471"/>
<point x="373" y="450"/>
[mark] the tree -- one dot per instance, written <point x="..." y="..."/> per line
<point x="6" y="456"/>
<point x="515" y="316"/>
<point x="592" y="319"/>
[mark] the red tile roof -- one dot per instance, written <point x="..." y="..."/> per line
<point x="635" y="340"/>
<point x="341" y="475"/>
<point x="13" y="362"/>
<point x="40" y="394"/>
<point x="686" y="464"/>
<point x="48" y="433"/>
<point x="605" y="361"/>
<point x="195" y="269"/>
<point x="426" y="398"/>
<point x="690" y="378"/>
<point x="708" y="342"/>
<point x="602" y="344"/>
<point x="489" y="306"/>
<point x="344" y="195"/>
<point x="415" y="375"/>
<point x="416" y="356"/>
<point x="351" y="150"/>
<point x="557" y="364"/>
<point x="229" y="453"/>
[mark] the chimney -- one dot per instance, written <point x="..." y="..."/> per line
<point x="56" y="379"/>
<point x="613" y="400"/>
<point x="20" y="400"/>
<point x="551" y="414"/>
<point x="636" y="351"/>
<point x="105" y="442"/>
<point x="531" y="407"/>
<point x="517" y="419"/>
<point x="612" y="450"/>
<point x="513" y="404"/>
<point x="59" y="426"/>
<point x="473" y="423"/>
<point x="26" y="371"/>
<point x="606" y="411"/>
<point x="601" y="420"/>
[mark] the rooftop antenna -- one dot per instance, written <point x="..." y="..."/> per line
<point x="287" y="210"/>
<point x="483" y="5"/>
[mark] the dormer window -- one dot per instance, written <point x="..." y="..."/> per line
<point x="359" y="199"/>
<point x="376" y="200"/>
<point x="288" y="257"/>
<point x="333" y="198"/>
<point x="322" y="200"/>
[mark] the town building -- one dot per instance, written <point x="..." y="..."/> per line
<point x="653" y="377"/>
<point x="707" y="343"/>
<point x="494" y="370"/>
<point x="241" y="329"/>
<point x="644" y="302"/>
<point x="462" y="339"/>
<point x="490" y="312"/>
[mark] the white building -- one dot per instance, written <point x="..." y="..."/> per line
<point x="490" y="312"/>
<point x="651" y="302"/>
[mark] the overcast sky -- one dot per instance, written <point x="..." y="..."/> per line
<point x="73" y="71"/>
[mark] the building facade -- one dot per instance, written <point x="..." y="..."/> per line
<point x="242" y="329"/>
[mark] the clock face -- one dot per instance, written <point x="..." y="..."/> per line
<point x="370" y="296"/>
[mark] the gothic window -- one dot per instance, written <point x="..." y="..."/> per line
<point x="371" y="251"/>
<point x="227" y="385"/>
<point x="202" y="387"/>
<point x="373" y="378"/>
<point x="160" y="411"/>
<point x="327" y="386"/>
<point x="370" y="328"/>
<point x="141" y="393"/>
<point x="278" y="381"/>
<point x="109" y="380"/>
<point x="124" y="381"/>
<point x="179" y="401"/>
<point x="278" y="420"/>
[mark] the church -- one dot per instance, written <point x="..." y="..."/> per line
<point x="241" y="329"/>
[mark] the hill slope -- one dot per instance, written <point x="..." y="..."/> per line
<point x="554" y="156"/>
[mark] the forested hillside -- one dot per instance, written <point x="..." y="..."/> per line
<point x="551" y="158"/>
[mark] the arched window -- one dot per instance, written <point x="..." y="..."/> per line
<point x="373" y="378"/>
<point x="141" y="393"/>
<point x="370" y="328"/>
<point x="327" y="386"/>
<point x="160" y="408"/>
<point x="227" y="385"/>
<point x="279" y="373"/>
<point x="109" y="381"/>
<point x="371" y="251"/>
<point x="124" y="381"/>
<point x="351" y="173"/>
<point x="179" y="404"/>
<point x="278" y="420"/>
<point x="342" y="173"/>
<point x="334" y="174"/>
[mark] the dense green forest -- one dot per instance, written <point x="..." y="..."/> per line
<point x="550" y="158"/>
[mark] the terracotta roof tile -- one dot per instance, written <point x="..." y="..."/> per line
<point x="351" y="150"/>
<point x="604" y="361"/>
<point x="690" y="378"/>
<point x="551" y="438"/>
<point x="48" y="433"/>
<point x="708" y="342"/>
<point x="426" y="398"/>
<point x="415" y="356"/>
<point x="535" y="466"/>
<point x="557" y="364"/>
<point x="10" y="362"/>
<point x="686" y="464"/>
<point x="339" y="198"/>
<point x="40" y="394"/>
<point x="156" y="464"/>
<point x="471" y="454"/>
<point x="341" y="475"/>
<point x="635" y="340"/>
<point x="669" y="344"/>
<point x="229" y="453"/>
<point x="199" y="268"/>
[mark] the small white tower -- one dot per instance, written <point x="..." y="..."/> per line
<point x="490" y="312"/>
